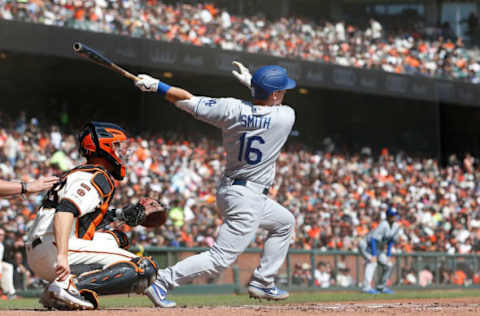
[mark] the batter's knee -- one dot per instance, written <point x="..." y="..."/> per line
<point x="288" y="224"/>
<point x="220" y="260"/>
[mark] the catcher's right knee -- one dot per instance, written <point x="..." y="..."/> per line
<point x="121" y="277"/>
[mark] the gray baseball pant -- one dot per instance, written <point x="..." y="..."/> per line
<point x="370" y="267"/>
<point x="244" y="211"/>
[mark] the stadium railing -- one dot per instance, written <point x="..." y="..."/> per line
<point x="298" y="271"/>
<point x="448" y="271"/>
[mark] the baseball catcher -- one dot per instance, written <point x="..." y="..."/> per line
<point x="65" y="235"/>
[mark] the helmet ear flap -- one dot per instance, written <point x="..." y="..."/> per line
<point x="88" y="141"/>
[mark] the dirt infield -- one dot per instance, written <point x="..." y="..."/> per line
<point x="424" y="307"/>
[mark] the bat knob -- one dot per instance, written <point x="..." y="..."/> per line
<point x="77" y="46"/>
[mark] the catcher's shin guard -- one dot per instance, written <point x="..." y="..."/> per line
<point x="121" y="277"/>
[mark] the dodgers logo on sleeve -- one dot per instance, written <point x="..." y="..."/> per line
<point x="209" y="102"/>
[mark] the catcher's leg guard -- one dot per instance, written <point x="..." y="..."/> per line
<point x="121" y="277"/>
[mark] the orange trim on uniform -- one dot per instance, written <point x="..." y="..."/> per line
<point x="152" y="262"/>
<point x="103" y="208"/>
<point x="114" y="236"/>
<point x="93" y="225"/>
<point x="99" y="190"/>
<point x="70" y="283"/>
<point x="88" y="273"/>
<point x="103" y="252"/>
<point x="129" y="262"/>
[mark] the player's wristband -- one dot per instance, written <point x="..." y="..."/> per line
<point x="162" y="88"/>
<point x="24" y="187"/>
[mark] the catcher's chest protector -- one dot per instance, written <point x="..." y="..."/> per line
<point x="121" y="277"/>
<point x="102" y="182"/>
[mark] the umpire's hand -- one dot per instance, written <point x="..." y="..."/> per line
<point x="41" y="184"/>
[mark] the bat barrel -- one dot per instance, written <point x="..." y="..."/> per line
<point x="94" y="56"/>
<point x="77" y="46"/>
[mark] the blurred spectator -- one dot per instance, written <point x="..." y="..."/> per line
<point x="335" y="196"/>
<point x="176" y="214"/>
<point x="409" y="277"/>
<point x="415" y="48"/>
<point x="459" y="277"/>
<point x="344" y="278"/>
<point x="6" y="271"/>
<point x="21" y="274"/>
<point x="322" y="276"/>
<point x="445" y="276"/>
<point x="425" y="277"/>
<point x="301" y="274"/>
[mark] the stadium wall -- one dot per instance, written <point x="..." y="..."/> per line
<point x="354" y="107"/>
<point x="55" y="41"/>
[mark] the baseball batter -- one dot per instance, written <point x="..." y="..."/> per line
<point x="372" y="249"/>
<point x="253" y="134"/>
<point x="65" y="234"/>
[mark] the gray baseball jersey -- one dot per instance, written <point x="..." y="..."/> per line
<point x="384" y="233"/>
<point x="252" y="135"/>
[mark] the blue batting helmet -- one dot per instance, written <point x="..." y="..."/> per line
<point x="268" y="79"/>
<point x="392" y="212"/>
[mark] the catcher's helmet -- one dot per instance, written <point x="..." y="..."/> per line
<point x="268" y="79"/>
<point x="100" y="139"/>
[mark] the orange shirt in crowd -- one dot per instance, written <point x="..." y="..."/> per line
<point x="459" y="277"/>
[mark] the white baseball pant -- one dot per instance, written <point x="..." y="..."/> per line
<point x="102" y="249"/>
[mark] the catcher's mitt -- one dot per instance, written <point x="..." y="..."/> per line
<point x="155" y="212"/>
<point x="147" y="212"/>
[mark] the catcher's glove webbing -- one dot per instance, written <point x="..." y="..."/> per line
<point x="133" y="215"/>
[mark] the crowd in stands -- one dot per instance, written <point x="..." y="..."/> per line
<point x="326" y="275"/>
<point x="413" y="49"/>
<point x="336" y="198"/>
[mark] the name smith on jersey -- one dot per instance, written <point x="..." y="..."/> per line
<point x="255" y="121"/>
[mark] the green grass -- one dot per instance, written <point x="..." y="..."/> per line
<point x="237" y="300"/>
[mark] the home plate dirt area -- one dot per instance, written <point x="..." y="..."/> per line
<point x="424" y="307"/>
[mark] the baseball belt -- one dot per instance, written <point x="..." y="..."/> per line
<point x="244" y="183"/>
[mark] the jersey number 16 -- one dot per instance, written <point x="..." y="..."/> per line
<point x="249" y="150"/>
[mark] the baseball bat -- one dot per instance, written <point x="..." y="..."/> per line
<point x="94" y="56"/>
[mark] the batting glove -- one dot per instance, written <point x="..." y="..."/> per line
<point x="243" y="75"/>
<point x="147" y="83"/>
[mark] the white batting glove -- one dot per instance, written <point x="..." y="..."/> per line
<point x="147" y="83"/>
<point x="243" y="75"/>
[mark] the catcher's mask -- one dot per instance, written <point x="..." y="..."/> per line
<point x="107" y="140"/>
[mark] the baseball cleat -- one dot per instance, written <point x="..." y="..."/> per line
<point x="273" y="293"/>
<point x="371" y="291"/>
<point x="49" y="302"/>
<point x="158" y="295"/>
<point x="70" y="299"/>
<point x="386" y="290"/>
